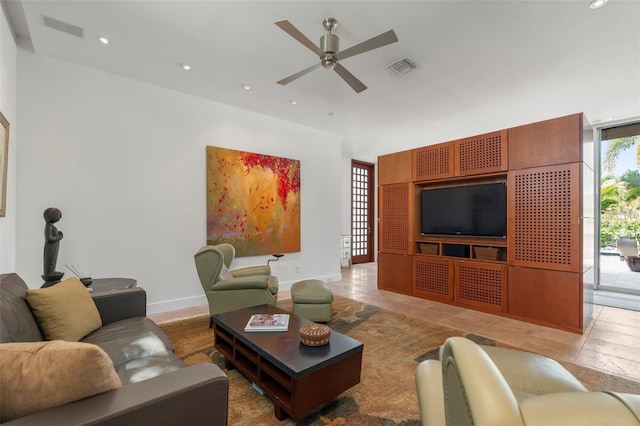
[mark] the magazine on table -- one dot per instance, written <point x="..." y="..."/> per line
<point x="268" y="322"/>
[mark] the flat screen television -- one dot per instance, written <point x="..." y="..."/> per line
<point x="470" y="210"/>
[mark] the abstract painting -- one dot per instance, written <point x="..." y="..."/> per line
<point x="253" y="202"/>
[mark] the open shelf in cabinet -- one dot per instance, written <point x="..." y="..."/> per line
<point x="246" y="351"/>
<point x="492" y="251"/>
<point x="273" y="373"/>
<point x="246" y="366"/>
<point x="276" y="391"/>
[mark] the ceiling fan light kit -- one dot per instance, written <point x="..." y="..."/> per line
<point x="329" y="51"/>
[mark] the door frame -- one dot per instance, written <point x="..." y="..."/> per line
<point x="597" y="176"/>
<point x="370" y="256"/>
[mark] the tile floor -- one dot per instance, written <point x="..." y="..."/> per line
<point x="614" y="272"/>
<point x="611" y="342"/>
<point x="619" y="286"/>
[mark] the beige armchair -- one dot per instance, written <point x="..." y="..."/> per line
<point x="478" y="385"/>
<point x="228" y="290"/>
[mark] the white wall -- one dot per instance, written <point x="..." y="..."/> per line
<point x="345" y="196"/>
<point x="8" y="107"/>
<point x="125" y="163"/>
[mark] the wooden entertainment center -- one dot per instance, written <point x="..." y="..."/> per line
<point x="542" y="272"/>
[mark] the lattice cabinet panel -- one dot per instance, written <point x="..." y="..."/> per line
<point x="393" y="210"/>
<point x="434" y="161"/>
<point x="544" y="217"/>
<point x="481" y="285"/>
<point x="481" y="154"/>
<point x="433" y="278"/>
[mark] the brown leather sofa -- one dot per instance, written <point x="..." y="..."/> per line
<point x="157" y="389"/>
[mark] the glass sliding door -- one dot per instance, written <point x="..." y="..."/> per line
<point x="619" y="178"/>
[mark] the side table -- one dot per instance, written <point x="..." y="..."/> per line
<point x="106" y="284"/>
<point x="115" y="296"/>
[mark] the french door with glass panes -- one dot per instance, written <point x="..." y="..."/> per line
<point x="361" y="212"/>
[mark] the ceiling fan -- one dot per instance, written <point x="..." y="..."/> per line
<point x="330" y="53"/>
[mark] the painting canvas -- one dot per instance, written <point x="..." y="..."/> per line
<point x="253" y="202"/>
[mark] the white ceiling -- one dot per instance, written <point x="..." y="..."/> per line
<point x="482" y="66"/>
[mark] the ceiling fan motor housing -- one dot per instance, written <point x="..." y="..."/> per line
<point x="329" y="44"/>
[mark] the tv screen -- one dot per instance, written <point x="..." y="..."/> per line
<point x="472" y="210"/>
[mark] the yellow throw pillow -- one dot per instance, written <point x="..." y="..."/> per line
<point x="35" y="376"/>
<point x="64" y="311"/>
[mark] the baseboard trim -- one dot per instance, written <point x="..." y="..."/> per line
<point x="192" y="302"/>
<point x="176" y="304"/>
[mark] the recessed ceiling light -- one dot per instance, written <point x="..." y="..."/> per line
<point x="186" y="67"/>
<point x="246" y="87"/>
<point x="597" y="4"/>
<point x="103" y="40"/>
<point x="294" y="102"/>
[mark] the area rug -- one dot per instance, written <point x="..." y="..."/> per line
<point x="394" y="344"/>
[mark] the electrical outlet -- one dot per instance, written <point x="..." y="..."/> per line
<point x="297" y="269"/>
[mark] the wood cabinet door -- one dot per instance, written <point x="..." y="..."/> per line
<point x="543" y="217"/>
<point x="481" y="154"/>
<point x="433" y="278"/>
<point x="549" y="142"/>
<point x="548" y="296"/>
<point x="395" y="168"/>
<point x="481" y="285"/>
<point x="394" y="272"/>
<point x="434" y="162"/>
<point x="394" y="210"/>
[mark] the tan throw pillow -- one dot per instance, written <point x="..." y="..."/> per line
<point x="225" y="273"/>
<point x="64" y="311"/>
<point x="35" y="376"/>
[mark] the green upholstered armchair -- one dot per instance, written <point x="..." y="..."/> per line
<point x="228" y="290"/>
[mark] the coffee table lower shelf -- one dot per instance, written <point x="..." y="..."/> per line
<point x="292" y="395"/>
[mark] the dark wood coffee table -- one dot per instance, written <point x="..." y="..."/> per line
<point x="297" y="378"/>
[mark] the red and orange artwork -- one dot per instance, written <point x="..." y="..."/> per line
<point x="253" y="202"/>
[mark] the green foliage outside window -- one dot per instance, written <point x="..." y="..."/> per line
<point x="619" y="196"/>
<point x="620" y="208"/>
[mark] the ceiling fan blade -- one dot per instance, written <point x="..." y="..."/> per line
<point x="351" y="79"/>
<point x="373" y="43"/>
<point x="288" y="28"/>
<point x="298" y="74"/>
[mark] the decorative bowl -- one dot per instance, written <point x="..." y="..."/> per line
<point x="86" y="281"/>
<point x="314" y="334"/>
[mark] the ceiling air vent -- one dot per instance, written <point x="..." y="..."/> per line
<point x="403" y="66"/>
<point x="62" y="26"/>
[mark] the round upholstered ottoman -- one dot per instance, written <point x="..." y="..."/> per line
<point x="312" y="300"/>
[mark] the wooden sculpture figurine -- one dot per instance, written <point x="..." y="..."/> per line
<point x="52" y="239"/>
